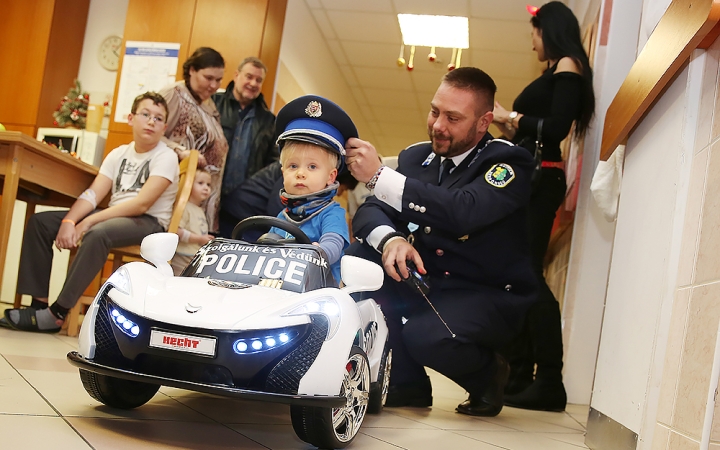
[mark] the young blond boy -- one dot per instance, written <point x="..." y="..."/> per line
<point x="193" y="230"/>
<point x="142" y="180"/>
<point x="312" y="146"/>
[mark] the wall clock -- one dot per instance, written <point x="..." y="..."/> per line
<point x="109" y="52"/>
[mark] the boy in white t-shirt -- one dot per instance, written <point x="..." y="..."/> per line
<point x="142" y="180"/>
<point x="193" y="230"/>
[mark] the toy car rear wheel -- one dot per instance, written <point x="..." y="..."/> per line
<point x="337" y="427"/>
<point x="379" y="389"/>
<point x="116" y="392"/>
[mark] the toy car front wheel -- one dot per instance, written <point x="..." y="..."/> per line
<point x="337" y="427"/>
<point x="379" y="390"/>
<point x="116" y="392"/>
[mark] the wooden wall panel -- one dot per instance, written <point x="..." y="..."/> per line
<point x="117" y="139"/>
<point x="235" y="28"/>
<point x="232" y="27"/>
<point x="67" y="35"/>
<point x="270" y="50"/>
<point x="155" y="21"/>
<point x="27" y="129"/>
<point x="24" y="36"/>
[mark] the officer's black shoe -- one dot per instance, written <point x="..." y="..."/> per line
<point x="491" y="402"/>
<point x="416" y="393"/>
<point x="542" y="395"/>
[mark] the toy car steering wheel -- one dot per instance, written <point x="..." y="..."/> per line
<point x="267" y="221"/>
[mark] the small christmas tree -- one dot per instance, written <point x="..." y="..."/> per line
<point x="72" y="110"/>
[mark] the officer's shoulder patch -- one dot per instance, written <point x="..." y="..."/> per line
<point x="500" y="175"/>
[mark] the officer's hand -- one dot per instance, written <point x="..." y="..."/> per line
<point x="397" y="252"/>
<point x="361" y="159"/>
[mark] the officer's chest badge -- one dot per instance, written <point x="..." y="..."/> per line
<point x="464" y="238"/>
<point x="500" y="175"/>
<point x="314" y="109"/>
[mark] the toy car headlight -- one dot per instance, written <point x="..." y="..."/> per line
<point x="120" y="280"/>
<point x="326" y="306"/>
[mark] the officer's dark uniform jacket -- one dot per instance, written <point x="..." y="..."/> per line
<point x="263" y="150"/>
<point x="471" y="227"/>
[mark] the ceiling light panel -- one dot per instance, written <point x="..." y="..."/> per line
<point x="434" y="31"/>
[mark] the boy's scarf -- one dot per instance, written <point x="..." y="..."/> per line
<point x="303" y="207"/>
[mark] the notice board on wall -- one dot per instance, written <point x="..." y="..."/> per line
<point x="147" y="66"/>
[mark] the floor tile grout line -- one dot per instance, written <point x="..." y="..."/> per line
<point x="216" y="421"/>
<point x="49" y="404"/>
<point x="378" y="439"/>
<point x="479" y="440"/>
<point x="569" y="443"/>
<point x="578" y="422"/>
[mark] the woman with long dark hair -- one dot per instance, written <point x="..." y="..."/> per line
<point x="561" y="96"/>
<point x="194" y="123"/>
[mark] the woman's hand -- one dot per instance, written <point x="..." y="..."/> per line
<point x="182" y="154"/>
<point x="500" y="114"/>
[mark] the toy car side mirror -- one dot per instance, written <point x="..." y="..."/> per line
<point x="159" y="248"/>
<point x="360" y="275"/>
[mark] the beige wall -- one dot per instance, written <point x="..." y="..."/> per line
<point x="687" y="376"/>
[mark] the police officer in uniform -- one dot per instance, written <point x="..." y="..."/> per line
<point x="456" y="208"/>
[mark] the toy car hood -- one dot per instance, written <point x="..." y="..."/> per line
<point x="205" y="302"/>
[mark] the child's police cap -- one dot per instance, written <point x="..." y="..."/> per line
<point x="315" y="120"/>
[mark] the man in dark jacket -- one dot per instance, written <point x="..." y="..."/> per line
<point x="249" y="128"/>
<point x="462" y="197"/>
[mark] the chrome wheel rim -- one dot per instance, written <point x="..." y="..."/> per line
<point x="355" y="388"/>
<point x="386" y="377"/>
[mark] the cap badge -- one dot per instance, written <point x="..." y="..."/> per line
<point x="314" y="109"/>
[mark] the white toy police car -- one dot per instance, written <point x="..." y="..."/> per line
<point x="260" y="321"/>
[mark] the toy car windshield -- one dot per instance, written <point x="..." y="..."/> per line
<point x="292" y="267"/>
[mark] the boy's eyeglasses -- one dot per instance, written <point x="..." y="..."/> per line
<point x="156" y="119"/>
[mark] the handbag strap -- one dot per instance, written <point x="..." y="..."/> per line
<point x="538" y="143"/>
<point x="538" y="139"/>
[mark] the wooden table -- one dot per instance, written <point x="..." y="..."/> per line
<point x="39" y="175"/>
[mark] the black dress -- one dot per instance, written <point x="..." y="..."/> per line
<point x="557" y="99"/>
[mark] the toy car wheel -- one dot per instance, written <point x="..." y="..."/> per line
<point x="379" y="389"/>
<point x="337" y="427"/>
<point x="116" y="392"/>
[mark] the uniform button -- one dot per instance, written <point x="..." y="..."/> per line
<point x="422" y="209"/>
<point x="508" y="287"/>
<point x="427" y="230"/>
<point x="411" y="205"/>
<point x="439" y="252"/>
<point x="417" y="208"/>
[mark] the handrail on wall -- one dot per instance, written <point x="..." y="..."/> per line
<point x="685" y="26"/>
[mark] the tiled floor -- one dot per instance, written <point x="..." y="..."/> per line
<point x="44" y="406"/>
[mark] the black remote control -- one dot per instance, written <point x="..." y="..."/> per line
<point x="415" y="280"/>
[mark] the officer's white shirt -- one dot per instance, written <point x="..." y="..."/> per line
<point x="389" y="189"/>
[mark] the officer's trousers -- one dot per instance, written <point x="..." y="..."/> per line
<point x="37" y="253"/>
<point x="483" y="319"/>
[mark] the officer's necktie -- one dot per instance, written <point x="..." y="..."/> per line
<point x="447" y="166"/>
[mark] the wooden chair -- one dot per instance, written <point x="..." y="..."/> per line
<point x="119" y="255"/>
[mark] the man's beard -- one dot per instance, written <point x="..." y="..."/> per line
<point x="454" y="148"/>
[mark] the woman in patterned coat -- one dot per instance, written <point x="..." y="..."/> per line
<point x="194" y="122"/>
